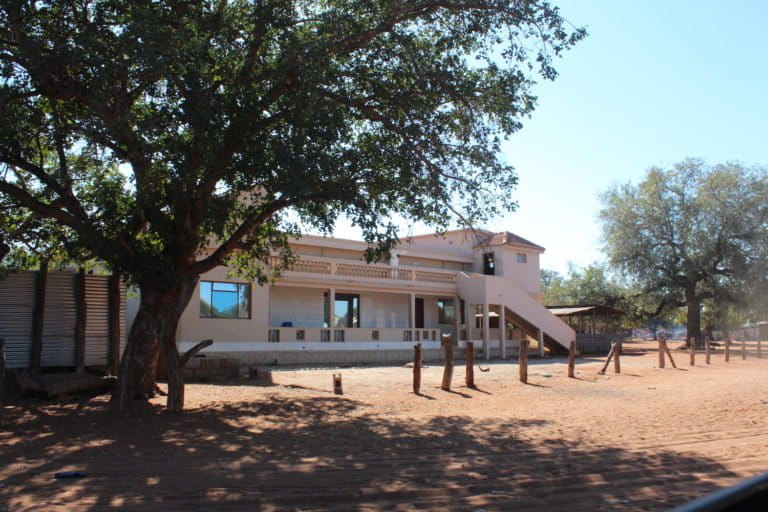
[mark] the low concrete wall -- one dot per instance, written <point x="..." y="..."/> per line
<point x="260" y="358"/>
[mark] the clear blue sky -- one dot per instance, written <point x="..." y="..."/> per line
<point x="655" y="82"/>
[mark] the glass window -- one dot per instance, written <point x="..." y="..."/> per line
<point x="489" y="264"/>
<point x="522" y="258"/>
<point x="225" y="300"/>
<point x="346" y="310"/>
<point x="446" y="311"/>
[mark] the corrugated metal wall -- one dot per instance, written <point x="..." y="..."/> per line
<point x="16" y="305"/>
<point x="17" y="295"/>
<point x="59" y="320"/>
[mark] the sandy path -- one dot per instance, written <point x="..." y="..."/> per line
<point x="646" y="439"/>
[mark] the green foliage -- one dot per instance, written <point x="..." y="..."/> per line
<point x="691" y="233"/>
<point x="166" y="138"/>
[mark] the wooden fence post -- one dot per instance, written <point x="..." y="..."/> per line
<point x="470" y="373"/>
<point x="616" y="354"/>
<point x="523" y="360"/>
<point x="669" y="353"/>
<point x="337" y="384"/>
<point x="38" y="318"/>
<point x="417" y="368"/>
<point x="759" y="349"/>
<point x="572" y="360"/>
<point x="448" y="368"/>
<point x="727" y="349"/>
<point x="113" y="295"/>
<point x="707" y="348"/>
<point x="662" y="358"/>
<point x="744" y="349"/>
<point x="692" y="351"/>
<point x="611" y="354"/>
<point x="81" y="312"/>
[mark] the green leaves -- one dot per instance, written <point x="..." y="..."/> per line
<point x="139" y="127"/>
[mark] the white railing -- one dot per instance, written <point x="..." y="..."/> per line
<point x="367" y="271"/>
<point x="340" y="335"/>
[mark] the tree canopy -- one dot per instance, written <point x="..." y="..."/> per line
<point x="166" y="138"/>
<point x="691" y="233"/>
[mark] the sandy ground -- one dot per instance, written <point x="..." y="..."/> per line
<point x="646" y="439"/>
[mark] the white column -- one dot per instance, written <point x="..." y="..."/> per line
<point x="331" y="307"/>
<point x="456" y="320"/>
<point x="502" y="331"/>
<point x="469" y="317"/>
<point x="541" y="343"/>
<point x="412" y="323"/>
<point x="486" y="331"/>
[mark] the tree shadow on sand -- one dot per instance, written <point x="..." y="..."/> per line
<point x="323" y="453"/>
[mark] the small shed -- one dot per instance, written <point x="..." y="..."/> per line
<point x="595" y="325"/>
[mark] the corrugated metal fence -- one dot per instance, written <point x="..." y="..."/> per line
<point x="17" y="294"/>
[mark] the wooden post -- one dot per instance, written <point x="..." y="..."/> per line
<point x="2" y="370"/>
<point x="611" y="354"/>
<point x="417" y="368"/>
<point x="470" y="374"/>
<point x="744" y="349"/>
<point x="113" y="295"/>
<point x="692" y="351"/>
<point x="666" y="349"/>
<point x="448" y="368"/>
<point x="708" y="349"/>
<point x="662" y="358"/>
<point x="81" y="312"/>
<point x="38" y="318"/>
<point x="616" y="354"/>
<point x="759" y="349"/>
<point x="727" y="349"/>
<point x="523" y="360"/>
<point x="337" y="384"/>
<point x="572" y="360"/>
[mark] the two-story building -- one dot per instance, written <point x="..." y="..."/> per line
<point x="333" y="307"/>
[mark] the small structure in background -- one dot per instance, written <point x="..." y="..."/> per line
<point x="595" y="325"/>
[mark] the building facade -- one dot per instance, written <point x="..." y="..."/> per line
<point x="333" y="307"/>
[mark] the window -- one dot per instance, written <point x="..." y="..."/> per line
<point x="522" y="257"/>
<point x="346" y="310"/>
<point x="446" y="311"/>
<point x="489" y="265"/>
<point x="225" y="300"/>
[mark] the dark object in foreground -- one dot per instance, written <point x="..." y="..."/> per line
<point x="70" y="474"/>
<point x="750" y="494"/>
<point x="337" y="384"/>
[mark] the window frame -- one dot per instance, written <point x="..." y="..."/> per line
<point x="238" y="292"/>
<point x="521" y="257"/>
<point x="489" y="264"/>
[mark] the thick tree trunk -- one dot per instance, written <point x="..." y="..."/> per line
<point x="153" y="331"/>
<point x="693" y="320"/>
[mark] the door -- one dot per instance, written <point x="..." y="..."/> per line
<point x="419" y="320"/>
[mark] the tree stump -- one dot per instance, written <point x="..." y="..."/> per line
<point x="572" y="360"/>
<point x="470" y="374"/>
<point x="662" y="358"/>
<point x="448" y="368"/>
<point x="692" y="351"/>
<point x="523" y="360"/>
<point x="616" y="361"/>
<point x="708" y="349"/>
<point x="417" y="368"/>
<point x="337" y="384"/>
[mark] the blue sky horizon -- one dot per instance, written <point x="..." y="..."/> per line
<point x="654" y="83"/>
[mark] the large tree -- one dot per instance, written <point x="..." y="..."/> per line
<point x="691" y="233"/>
<point x="168" y="137"/>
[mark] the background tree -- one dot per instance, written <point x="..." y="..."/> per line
<point x="169" y="137"/>
<point x="691" y="233"/>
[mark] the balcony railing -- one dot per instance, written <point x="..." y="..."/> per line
<point x="341" y="335"/>
<point x="368" y="271"/>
